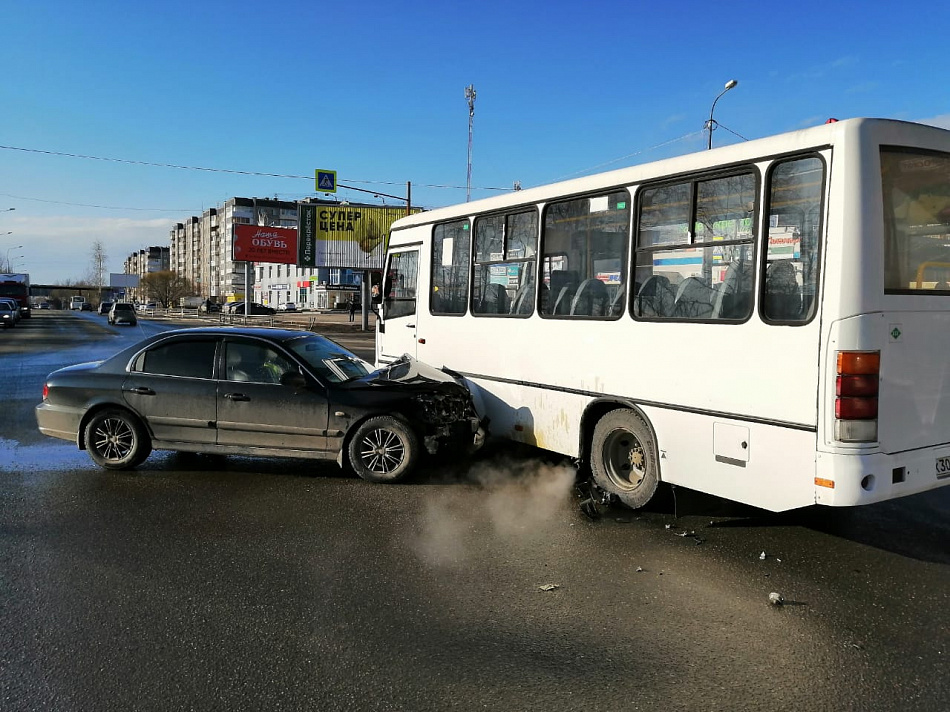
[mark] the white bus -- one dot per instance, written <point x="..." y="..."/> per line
<point x="768" y="322"/>
<point x="77" y="302"/>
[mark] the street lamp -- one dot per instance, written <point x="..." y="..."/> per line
<point x="6" y="260"/>
<point x="710" y="124"/>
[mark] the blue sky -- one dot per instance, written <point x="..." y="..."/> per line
<point x="376" y="91"/>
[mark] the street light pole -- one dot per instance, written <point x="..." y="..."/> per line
<point x="6" y="260"/>
<point x="710" y="124"/>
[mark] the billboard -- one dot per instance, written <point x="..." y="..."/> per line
<point x="255" y="243"/>
<point x="345" y="236"/>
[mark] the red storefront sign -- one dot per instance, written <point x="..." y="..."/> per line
<point x="254" y="243"/>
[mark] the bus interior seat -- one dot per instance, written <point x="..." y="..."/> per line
<point x="783" y="295"/>
<point x="734" y="293"/>
<point x="522" y="303"/>
<point x="590" y="299"/>
<point x="563" y="284"/>
<point x="494" y="299"/>
<point x="694" y="299"/>
<point x="656" y="297"/>
<point x="616" y="301"/>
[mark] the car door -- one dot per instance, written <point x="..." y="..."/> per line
<point x="256" y="410"/>
<point x="399" y="306"/>
<point x="171" y="385"/>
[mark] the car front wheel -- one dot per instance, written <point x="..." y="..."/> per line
<point x="383" y="449"/>
<point x="116" y="440"/>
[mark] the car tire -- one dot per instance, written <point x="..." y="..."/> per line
<point x="383" y="449"/>
<point x="624" y="459"/>
<point x="116" y="440"/>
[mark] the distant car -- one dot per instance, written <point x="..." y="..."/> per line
<point x="104" y="307"/>
<point x="260" y="392"/>
<point x="123" y="313"/>
<point x="287" y="307"/>
<point x="255" y="310"/>
<point x="209" y="307"/>
<point x="8" y="315"/>
<point x="231" y="306"/>
<point x="86" y="306"/>
<point x="43" y="305"/>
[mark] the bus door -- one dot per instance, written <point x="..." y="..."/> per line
<point x="397" y="328"/>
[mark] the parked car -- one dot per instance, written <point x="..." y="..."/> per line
<point x="258" y="391"/>
<point x="123" y="313"/>
<point x="209" y="307"/>
<point x="8" y="315"/>
<point x="104" y="307"/>
<point x="287" y="307"/>
<point x="231" y="306"/>
<point x="255" y="310"/>
<point x="43" y="305"/>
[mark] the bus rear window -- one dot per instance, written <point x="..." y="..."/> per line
<point x="916" y="221"/>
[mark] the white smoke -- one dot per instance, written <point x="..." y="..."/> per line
<point x="515" y="503"/>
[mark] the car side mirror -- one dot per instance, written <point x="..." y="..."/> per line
<point x="294" y="380"/>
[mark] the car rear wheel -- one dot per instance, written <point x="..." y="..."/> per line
<point x="624" y="458"/>
<point x="383" y="449"/>
<point x="116" y="440"/>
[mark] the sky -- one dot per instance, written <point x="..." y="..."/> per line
<point x="102" y="100"/>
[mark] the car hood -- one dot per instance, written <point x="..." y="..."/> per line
<point x="408" y="373"/>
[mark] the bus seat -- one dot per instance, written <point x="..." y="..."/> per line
<point x="694" y="299"/>
<point x="616" y="302"/>
<point x="734" y="293"/>
<point x="590" y="299"/>
<point x="656" y="297"/>
<point x="494" y="299"/>
<point x="783" y="295"/>
<point x="522" y="303"/>
<point x="563" y="284"/>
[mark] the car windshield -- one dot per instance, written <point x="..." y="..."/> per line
<point x="330" y="361"/>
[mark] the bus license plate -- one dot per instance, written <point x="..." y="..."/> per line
<point x="943" y="467"/>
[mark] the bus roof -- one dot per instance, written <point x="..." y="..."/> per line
<point x="803" y="139"/>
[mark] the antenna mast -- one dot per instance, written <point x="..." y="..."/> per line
<point x="470" y="96"/>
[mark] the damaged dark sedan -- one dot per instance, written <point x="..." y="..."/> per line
<point x="259" y="392"/>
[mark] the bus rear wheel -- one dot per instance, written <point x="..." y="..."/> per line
<point x="624" y="458"/>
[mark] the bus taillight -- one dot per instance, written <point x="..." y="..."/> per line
<point x="856" y="390"/>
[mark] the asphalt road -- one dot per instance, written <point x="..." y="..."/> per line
<point x="249" y="584"/>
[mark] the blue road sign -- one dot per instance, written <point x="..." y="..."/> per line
<point x="326" y="181"/>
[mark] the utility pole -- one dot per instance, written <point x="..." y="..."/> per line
<point x="470" y="96"/>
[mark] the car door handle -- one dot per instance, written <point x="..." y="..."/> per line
<point x="142" y="391"/>
<point x="237" y="397"/>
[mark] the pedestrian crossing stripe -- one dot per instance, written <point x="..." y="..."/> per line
<point x="326" y="181"/>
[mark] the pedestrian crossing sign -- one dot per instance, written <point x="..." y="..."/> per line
<point x="326" y="181"/>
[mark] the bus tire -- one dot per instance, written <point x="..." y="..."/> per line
<point x="623" y="457"/>
<point x="383" y="449"/>
<point x="116" y="440"/>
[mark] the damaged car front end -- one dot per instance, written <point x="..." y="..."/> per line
<point x="441" y="404"/>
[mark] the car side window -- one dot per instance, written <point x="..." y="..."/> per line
<point x="257" y="363"/>
<point x="187" y="358"/>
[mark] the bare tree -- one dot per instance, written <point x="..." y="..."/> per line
<point x="166" y="287"/>
<point x="97" y="266"/>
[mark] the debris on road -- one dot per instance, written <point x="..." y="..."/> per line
<point x="762" y="556"/>
<point x="592" y="499"/>
<point x="776" y="599"/>
<point x="549" y="587"/>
